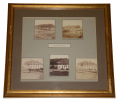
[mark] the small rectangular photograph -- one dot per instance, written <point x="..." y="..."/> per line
<point x="59" y="65"/>
<point x="32" y="68"/>
<point x="72" y="29"/>
<point x="86" y="69"/>
<point x="44" y="29"/>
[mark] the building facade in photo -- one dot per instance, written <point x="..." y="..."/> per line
<point x="33" y="65"/>
<point x="88" y="65"/>
<point x="48" y="27"/>
<point x="62" y="63"/>
<point x="72" y="27"/>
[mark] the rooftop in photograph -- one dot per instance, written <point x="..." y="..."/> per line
<point x="87" y="63"/>
<point x="61" y="61"/>
<point x="32" y="62"/>
<point x="45" y="25"/>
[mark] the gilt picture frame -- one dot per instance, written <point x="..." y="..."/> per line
<point x="82" y="52"/>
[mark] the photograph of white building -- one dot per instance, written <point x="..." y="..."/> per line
<point x="87" y="65"/>
<point x="86" y="69"/>
<point x="59" y="65"/>
<point x="32" y="68"/>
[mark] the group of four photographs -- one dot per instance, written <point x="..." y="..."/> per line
<point x="33" y="68"/>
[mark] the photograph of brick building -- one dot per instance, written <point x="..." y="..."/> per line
<point x="44" y="29"/>
<point x="72" y="29"/>
<point x="59" y="65"/>
<point x="32" y="68"/>
<point x="86" y="69"/>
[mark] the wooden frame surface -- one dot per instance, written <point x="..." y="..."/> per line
<point x="59" y="93"/>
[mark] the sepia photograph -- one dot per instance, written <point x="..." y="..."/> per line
<point x="32" y="68"/>
<point x="72" y="29"/>
<point x="44" y="29"/>
<point x="59" y="65"/>
<point x="86" y="69"/>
